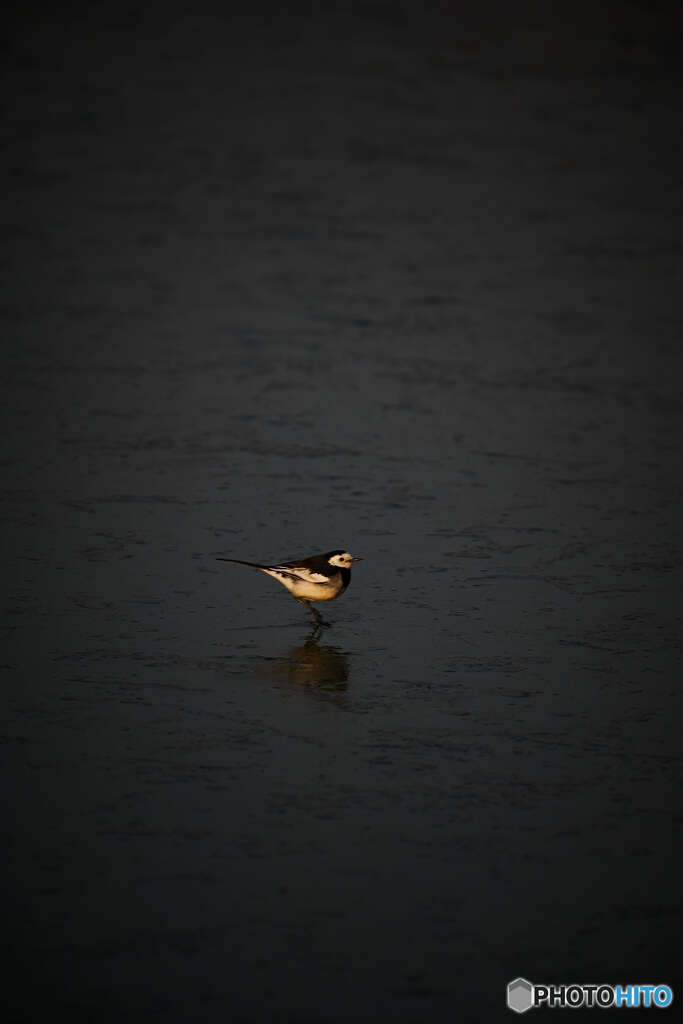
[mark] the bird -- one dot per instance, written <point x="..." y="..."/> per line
<point x="316" y="578"/>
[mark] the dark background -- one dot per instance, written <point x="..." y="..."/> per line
<point x="403" y="279"/>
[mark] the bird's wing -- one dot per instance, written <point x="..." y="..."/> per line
<point x="301" y="572"/>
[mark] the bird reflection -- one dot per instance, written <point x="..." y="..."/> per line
<point x="314" y="664"/>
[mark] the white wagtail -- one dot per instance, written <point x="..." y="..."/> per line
<point x="318" y="578"/>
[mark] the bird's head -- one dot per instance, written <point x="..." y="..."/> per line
<point x="342" y="559"/>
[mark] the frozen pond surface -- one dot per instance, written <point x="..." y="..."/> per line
<point x="411" y="289"/>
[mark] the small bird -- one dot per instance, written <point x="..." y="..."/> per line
<point x="318" y="578"/>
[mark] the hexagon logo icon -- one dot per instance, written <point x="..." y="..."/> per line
<point x="520" y="995"/>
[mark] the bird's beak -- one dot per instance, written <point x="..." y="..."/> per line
<point x="356" y="558"/>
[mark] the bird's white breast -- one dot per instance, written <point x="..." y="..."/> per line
<point x="302" y="582"/>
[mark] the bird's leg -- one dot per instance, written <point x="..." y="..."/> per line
<point x="319" y="620"/>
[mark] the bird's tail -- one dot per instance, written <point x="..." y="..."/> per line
<point x="238" y="561"/>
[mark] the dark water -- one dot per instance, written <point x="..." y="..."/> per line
<point x="402" y="283"/>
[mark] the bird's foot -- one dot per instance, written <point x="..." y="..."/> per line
<point x="317" y="617"/>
